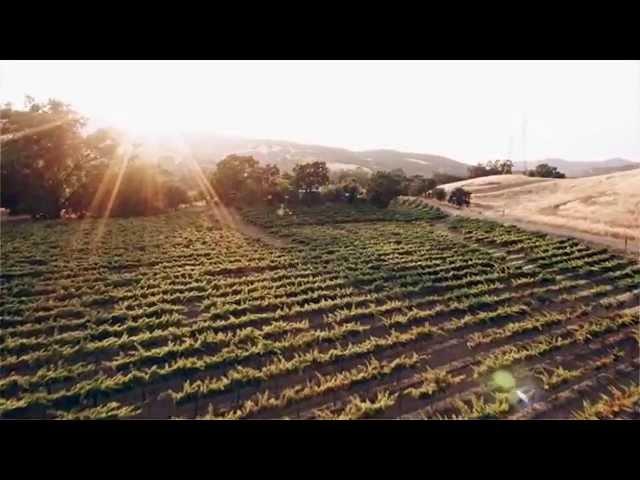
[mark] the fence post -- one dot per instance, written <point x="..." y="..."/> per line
<point x="625" y="243"/>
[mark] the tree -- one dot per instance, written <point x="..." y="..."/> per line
<point x="402" y="178"/>
<point x="310" y="176"/>
<point x="546" y="171"/>
<point x="242" y="180"/>
<point x="495" y="167"/>
<point x="334" y="193"/>
<point x="419" y="185"/>
<point x="46" y="157"/>
<point x="359" y="175"/>
<point x="174" y="196"/>
<point x="460" y="197"/>
<point x="500" y="167"/>
<point x="439" y="194"/>
<point x="506" y="167"/>
<point x="236" y="178"/>
<point x="283" y="191"/>
<point x="351" y="190"/>
<point x="288" y="177"/>
<point x="94" y="183"/>
<point x="129" y="185"/>
<point x="478" y="170"/>
<point x="383" y="187"/>
<point x="430" y="184"/>
<point x="269" y="176"/>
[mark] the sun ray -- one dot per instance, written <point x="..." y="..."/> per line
<point x="30" y="131"/>
<point x="114" y="193"/>
<point x="218" y="210"/>
<point x="89" y="224"/>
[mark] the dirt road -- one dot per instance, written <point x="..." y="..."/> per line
<point x="231" y="219"/>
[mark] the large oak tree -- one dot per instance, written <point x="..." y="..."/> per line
<point x="46" y="156"/>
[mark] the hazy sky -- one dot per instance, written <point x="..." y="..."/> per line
<point x="470" y="111"/>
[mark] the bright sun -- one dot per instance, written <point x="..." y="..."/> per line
<point x="145" y="122"/>
<point x="150" y="127"/>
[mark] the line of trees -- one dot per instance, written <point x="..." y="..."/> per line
<point x="241" y="181"/>
<point x="492" y="167"/>
<point x="545" y="171"/>
<point x="51" y="165"/>
<point x="505" y="167"/>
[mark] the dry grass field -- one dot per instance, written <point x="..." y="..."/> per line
<point x="606" y="205"/>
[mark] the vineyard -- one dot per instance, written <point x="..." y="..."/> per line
<point x="358" y="313"/>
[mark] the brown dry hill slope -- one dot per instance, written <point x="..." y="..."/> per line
<point x="606" y="205"/>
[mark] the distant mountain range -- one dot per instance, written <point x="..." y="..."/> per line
<point x="583" y="169"/>
<point x="208" y="149"/>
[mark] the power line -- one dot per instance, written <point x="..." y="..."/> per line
<point x="510" y="149"/>
<point x="524" y="141"/>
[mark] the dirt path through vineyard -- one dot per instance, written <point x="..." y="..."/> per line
<point x="236" y="222"/>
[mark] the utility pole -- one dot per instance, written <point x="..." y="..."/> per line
<point x="524" y="141"/>
<point x="510" y="149"/>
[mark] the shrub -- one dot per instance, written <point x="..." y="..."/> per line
<point x="334" y="193"/>
<point x="546" y="171"/>
<point x="439" y="194"/>
<point x="351" y="191"/>
<point x="311" y="198"/>
<point x="418" y="185"/>
<point x="460" y="197"/>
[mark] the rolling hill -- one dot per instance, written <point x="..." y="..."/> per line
<point x="601" y="205"/>
<point x="207" y="149"/>
<point x="210" y="149"/>
<point x="584" y="169"/>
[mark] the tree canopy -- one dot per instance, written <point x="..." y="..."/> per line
<point x="460" y="197"/>
<point x="546" y="171"/>
<point x="384" y="187"/>
<point x="310" y="176"/>
<point x="242" y="180"/>
<point x="46" y="157"/>
<point x="439" y="194"/>
<point x="51" y="164"/>
<point x="495" y="167"/>
<point x="418" y="185"/>
<point x="359" y="175"/>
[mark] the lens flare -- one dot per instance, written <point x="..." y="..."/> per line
<point x="504" y="380"/>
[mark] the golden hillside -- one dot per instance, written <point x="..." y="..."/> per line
<point x="603" y="205"/>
